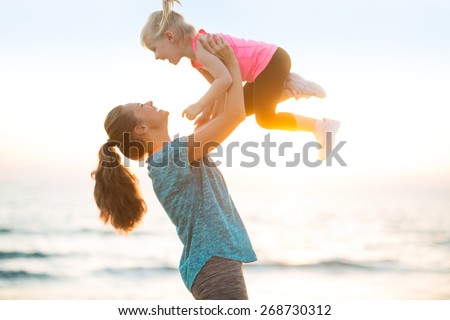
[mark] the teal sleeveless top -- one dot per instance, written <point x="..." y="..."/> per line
<point x="197" y="201"/>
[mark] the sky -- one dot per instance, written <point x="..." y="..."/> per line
<point x="384" y="64"/>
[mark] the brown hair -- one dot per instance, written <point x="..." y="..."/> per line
<point x="116" y="189"/>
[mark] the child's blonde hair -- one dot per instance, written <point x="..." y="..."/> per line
<point x="160" y="21"/>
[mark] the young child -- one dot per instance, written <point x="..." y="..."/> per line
<point x="264" y="67"/>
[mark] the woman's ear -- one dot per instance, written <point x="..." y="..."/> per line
<point x="141" y="129"/>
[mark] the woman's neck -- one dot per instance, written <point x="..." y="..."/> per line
<point x="156" y="141"/>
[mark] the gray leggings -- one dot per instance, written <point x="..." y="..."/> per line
<point x="220" y="279"/>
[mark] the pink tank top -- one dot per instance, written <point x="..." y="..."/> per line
<point x="253" y="56"/>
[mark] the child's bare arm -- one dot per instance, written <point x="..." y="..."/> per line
<point x="210" y="112"/>
<point x="205" y="115"/>
<point x="222" y="81"/>
<point x="206" y="75"/>
<point x="216" y="68"/>
<point x="219" y="128"/>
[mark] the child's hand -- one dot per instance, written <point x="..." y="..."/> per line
<point x="192" y="111"/>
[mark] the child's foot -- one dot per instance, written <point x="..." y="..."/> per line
<point x="320" y="132"/>
<point x="302" y="88"/>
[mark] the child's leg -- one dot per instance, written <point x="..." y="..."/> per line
<point x="286" y="94"/>
<point x="263" y="96"/>
<point x="297" y="87"/>
<point x="267" y="90"/>
<point x="248" y="99"/>
<point x="220" y="279"/>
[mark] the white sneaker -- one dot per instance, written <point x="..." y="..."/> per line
<point x="320" y="132"/>
<point x="299" y="87"/>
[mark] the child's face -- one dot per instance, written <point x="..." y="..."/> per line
<point x="165" y="48"/>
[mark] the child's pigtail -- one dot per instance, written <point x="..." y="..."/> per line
<point x="166" y="13"/>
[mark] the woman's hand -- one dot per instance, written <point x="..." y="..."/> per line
<point x="218" y="47"/>
<point x="201" y="120"/>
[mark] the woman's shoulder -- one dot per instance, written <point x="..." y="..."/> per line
<point x="171" y="153"/>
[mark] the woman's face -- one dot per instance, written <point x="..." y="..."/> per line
<point x="148" y="115"/>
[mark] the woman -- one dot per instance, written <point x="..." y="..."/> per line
<point x="189" y="186"/>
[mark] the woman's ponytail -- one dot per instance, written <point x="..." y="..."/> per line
<point x="116" y="189"/>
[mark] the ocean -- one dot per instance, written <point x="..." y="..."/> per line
<point x="353" y="242"/>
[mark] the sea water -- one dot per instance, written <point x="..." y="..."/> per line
<point x="348" y="243"/>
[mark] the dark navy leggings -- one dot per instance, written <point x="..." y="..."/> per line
<point x="262" y="96"/>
